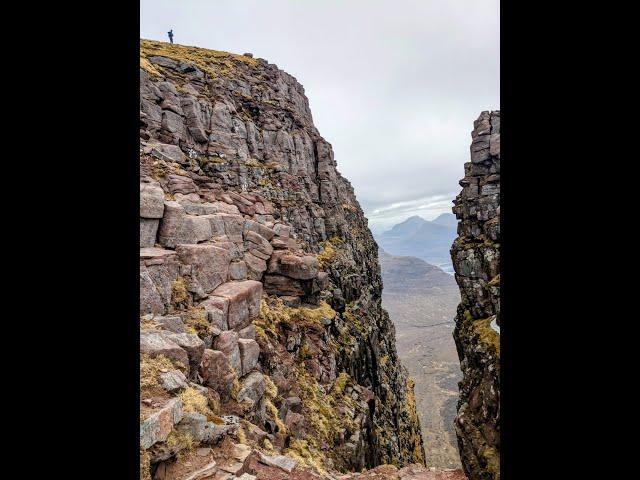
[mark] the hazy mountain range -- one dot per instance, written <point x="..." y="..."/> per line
<point x="427" y="240"/>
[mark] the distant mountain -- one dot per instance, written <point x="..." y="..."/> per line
<point x="446" y="219"/>
<point x="417" y="237"/>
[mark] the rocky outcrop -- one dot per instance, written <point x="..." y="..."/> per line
<point x="476" y="259"/>
<point x="259" y="280"/>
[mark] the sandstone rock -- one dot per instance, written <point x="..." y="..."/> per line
<point x="193" y="424"/>
<point x="243" y="301"/>
<point x="148" y="231"/>
<point x="150" y="299"/>
<point x="248" y="332"/>
<point x="173" y="380"/>
<point x="172" y="323"/>
<point x="227" y="342"/>
<point x="238" y="270"/>
<point x="192" y="344"/>
<point x="210" y="265"/>
<point x="249" y="353"/>
<point x="255" y="266"/>
<point x="255" y="227"/>
<point x="284" y="286"/>
<point x="294" y="266"/>
<point x="155" y="343"/>
<point x="171" y="224"/>
<point x="252" y="387"/>
<point x="216" y="372"/>
<point x="151" y="201"/>
<point x="171" y="153"/>
<point x="295" y="424"/>
<point x="158" y="426"/>
<point x="217" y="310"/>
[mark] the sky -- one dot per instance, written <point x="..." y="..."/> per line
<point x="393" y="85"/>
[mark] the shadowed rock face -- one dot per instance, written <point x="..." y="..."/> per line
<point x="248" y="230"/>
<point x="476" y="259"/>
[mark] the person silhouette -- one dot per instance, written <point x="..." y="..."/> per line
<point x="170" y="33"/>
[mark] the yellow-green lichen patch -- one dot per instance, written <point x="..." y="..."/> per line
<point x="212" y="62"/>
<point x="194" y="402"/>
<point x="151" y="368"/>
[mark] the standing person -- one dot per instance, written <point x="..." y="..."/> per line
<point x="170" y="33"/>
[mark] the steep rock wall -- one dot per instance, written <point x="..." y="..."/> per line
<point x="260" y="281"/>
<point x="476" y="259"/>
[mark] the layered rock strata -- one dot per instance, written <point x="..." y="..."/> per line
<point x="476" y="260"/>
<point x="261" y="322"/>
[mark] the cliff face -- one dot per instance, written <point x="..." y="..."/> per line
<point x="476" y="259"/>
<point x="260" y="287"/>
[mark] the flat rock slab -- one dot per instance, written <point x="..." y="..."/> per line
<point x="244" y="301"/>
<point x="153" y="252"/>
<point x="249" y="354"/>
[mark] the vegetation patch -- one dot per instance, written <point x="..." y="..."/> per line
<point x="179" y="294"/>
<point x="151" y="368"/>
<point x="212" y="62"/>
<point x="194" y="402"/>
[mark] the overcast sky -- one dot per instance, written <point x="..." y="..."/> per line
<point x="393" y="85"/>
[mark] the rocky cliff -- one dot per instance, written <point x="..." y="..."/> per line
<point x="476" y="259"/>
<point x="263" y="341"/>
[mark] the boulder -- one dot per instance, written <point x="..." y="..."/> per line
<point x="249" y="353"/>
<point x="171" y="224"/>
<point x="252" y="387"/>
<point x="158" y="426"/>
<point x="243" y="301"/>
<point x="150" y="299"/>
<point x="151" y="201"/>
<point x="298" y="267"/>
<point x="194" y="425"/>
<point x="210" y="265"/>
<point x="248" y="332"/>
<point x="216" y="311"/>
<point x="255" y="266"/>
<point x="192" y="344"/>
<point x="227" y="342"/>
<point x="216" y="372"/>
<point x="283" y="286"/>
<point x="148" y="231"/>
<point x="155" y="343"/>
<point x="238" y="270"/>
<point x="172" y="323"/>
<point x="173" y="380"/>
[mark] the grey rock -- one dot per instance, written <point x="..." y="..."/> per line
<point x="158" y="426"/>
<point x="173" y="380"/>
<point x="148" y="231"/>
<point x="151" y="201"/>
